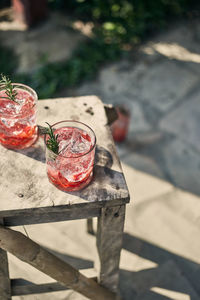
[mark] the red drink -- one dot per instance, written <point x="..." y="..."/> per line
<point x="72" y="168"/>
<point x="18" y="128"/>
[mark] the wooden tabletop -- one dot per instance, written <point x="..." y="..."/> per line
<point x="24" y="186"/>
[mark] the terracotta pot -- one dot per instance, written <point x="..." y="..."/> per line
<point x="29" y="12"/>
<point x="120" y="127"/>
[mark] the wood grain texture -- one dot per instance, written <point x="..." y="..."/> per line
<point x="111" y="113"/>
<point x="5" y="285"/>
<point x="21" y="287"/>
<point x="90" y="228"/>
<point x="23" y="181"/>
<point x="30" y="252"/>
<point x="50" y="214"/>
<point x="109" y="243"/>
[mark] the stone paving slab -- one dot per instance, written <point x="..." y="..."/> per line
<point x="138" y="121"/>
<point x="144" y="187"/>
<point x="165" y="227"/>
<point x="184" y="34"/>
<point x="163" y="282"/>
<point x="182" y="162"/>
<point x="161" y="89"/>
<point x="165" y="83"/>
<point x="168" y="230"/>
<point x="184" y="121"/>
<point x="161" y="84"/>
<point x="182" y="169"/>
<point x="179" y="43"/>
<point x="143" y="163"/>
<point x="116" y="82"/>
<point x="50" y="40"/>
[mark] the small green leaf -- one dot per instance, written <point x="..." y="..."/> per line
<point x="10" y="91"/>
<point x="52" y="143"/>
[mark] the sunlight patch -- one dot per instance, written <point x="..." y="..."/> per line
<point x="134" y="263"/>
<point x="84" y="28"/>
<point x="170" y="294"/>
<point x="172" y="51"/>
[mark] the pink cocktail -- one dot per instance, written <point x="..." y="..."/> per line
<point x="18" y="128"/>
<point x="71" y="168"/>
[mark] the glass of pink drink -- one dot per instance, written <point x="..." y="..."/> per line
<point x="72" y="168"/>
<point x="18" y="128"/>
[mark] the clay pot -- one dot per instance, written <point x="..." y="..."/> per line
<point x="29" y="12"/>
<point x="120" y="127"/>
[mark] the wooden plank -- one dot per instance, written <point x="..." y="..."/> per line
<point x="48" y="215"/>
<point x="53" y="213"/>
<point x="30" y="252"/>
<point x="90" y="228"/>
<point x="23" y="181"/>
<point x="22" y="287"/>
<point x="111" y="113"/>
<point x="5" y="286"/>
<point x="109" y="243"/>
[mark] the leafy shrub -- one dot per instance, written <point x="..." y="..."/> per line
<point x="8" y="60"/>
<point x="118" y="26"/>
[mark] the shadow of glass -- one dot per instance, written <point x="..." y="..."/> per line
<point x="36" y="151"/>
<point x="103" y="157"/>
<point x="104" y="185"/>
<point x="106" y="182"/>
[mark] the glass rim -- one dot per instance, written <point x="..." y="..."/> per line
<point x="28" y="89"/>
<point x="93" y="146"/>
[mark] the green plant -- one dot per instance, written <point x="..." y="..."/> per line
<point x="118" y="26"/>
<point x="8" y="61"/>
<point x="10" y="92"/>
<point x="52" y="143"/>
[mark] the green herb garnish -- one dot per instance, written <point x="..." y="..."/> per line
<point x="10" y="91"/>
<point x="52" y="143"/>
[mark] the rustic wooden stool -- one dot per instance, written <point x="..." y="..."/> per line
<point x="28" y="198"/>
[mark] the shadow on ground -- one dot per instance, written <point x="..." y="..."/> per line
<point x="162" y="282"/>
<point x="166" y="277"/>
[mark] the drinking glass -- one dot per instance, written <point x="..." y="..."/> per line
<point x="71" y="169"/>
<point x="18" y="129"/>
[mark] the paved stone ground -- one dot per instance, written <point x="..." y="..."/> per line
<point x="160" y="256"/>
<point x="161" y="85"/>
<point x="50" y="41"/>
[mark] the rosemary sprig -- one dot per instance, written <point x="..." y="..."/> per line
<point x="10" y="91"/>
<point x="52" y="143"/>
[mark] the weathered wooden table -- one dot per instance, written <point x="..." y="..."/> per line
<point x="28" y="198"/>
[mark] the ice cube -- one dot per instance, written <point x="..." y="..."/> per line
<point x="18" y="106"/>
<point x="12" y="108"/>
<point x="64" y="146"/>
<point x="75" y="144"/>
<point x="8" y="122"/>
<point x="80" y="145"/>
<point x="6" y="107"/>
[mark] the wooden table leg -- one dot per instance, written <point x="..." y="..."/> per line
<point x="109" y="243"/>
<point x="32" y="253"/>
<point x="90" y="229"/>
<point x="5" y="287"/>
